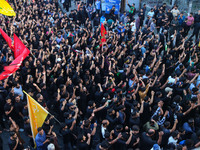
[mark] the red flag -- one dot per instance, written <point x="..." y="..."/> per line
<point x="7" y="38"/>
<point x="19" y="47"/>
<point x="14" y="66"/>
<point x="4" y="75"/>
<point x="103" y="33"/>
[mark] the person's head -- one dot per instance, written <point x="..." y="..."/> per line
<point x="150" y="132"/>
<point x="147" y="98"/>
<point x="17" y="98"/>
<point x="181" y="14"/>
<point x="87" y="123"/>
<point x="39" y="97"/>
<point x="135" y="129"/>
<point x="105" y="123"/>
<point x="26" y="120"/>
<point x="175" y="134"/>
<point x="13" y="135"/>
<point x="81" y="138"/>
<point x="151" y="9"/>
<point x="26" y="64"/>
<point x="119" y="128"/>
<point x="191" y="122"/>
<point x="104" y="145"/>
<point x="167" y="124"/>
<point x="8" y="100"/>
<point x="144" y="5"/>
<point x="40" y="131"/>
<point x="198" y="12"/>
<point x="63" y="126"/>
<point x="111" y="111"/>
<point x="91" y="104"/>
<point x="51" y="146"/>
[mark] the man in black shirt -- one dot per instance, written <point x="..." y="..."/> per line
<point x="13" y="142"/>
<point x="82" y="143"/>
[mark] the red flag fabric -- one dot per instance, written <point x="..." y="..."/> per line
<point x="103" y="33"/>
<point x="4" y="75"/>
<point x="14" y="66"/>
<point x="19" y="47"/>
<point x="7" y="38"/>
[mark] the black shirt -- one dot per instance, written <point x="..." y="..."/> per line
<point x="82" y="146"/>
<point x="146" y="142"/>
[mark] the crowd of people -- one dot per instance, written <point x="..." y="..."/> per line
<point x="137" y="90"/>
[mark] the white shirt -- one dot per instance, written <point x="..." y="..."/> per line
<point x="103" y="131"/>
<point x="151" y="14"/>
<point x="19" y="91"/>
<point x="172" y="140"/>
<point x="133" y="28"/>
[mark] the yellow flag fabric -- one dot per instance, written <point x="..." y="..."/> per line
<point x="6" y="9"/>
<point x="37" y="114"/>
<point x="199" y="44"/>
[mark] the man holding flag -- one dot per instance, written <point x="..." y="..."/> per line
<point x="37" y="115"/>
<point x="41" y="140"/>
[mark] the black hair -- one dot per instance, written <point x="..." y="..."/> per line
<point x="39" y="129"/>
<point x="174" y="134"/>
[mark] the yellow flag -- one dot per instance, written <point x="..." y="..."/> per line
<point x="199" y="44"/>
<point x="37" y="114"/>
<point x="6" y="9"/>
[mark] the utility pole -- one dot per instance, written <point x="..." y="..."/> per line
<point x="173" y="2"/>
<point x="190" y="6"/>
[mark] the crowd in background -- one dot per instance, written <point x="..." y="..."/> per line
<point x="137" y="90"/>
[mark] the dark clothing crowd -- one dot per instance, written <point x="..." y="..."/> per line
<point x="138" y="90"/>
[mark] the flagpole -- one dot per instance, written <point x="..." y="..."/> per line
<point x="54" y="118"/>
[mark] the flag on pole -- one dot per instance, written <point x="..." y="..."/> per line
<point x="7" y="38"/>
<point x="6" y="9"/>
<point x="14" y="66"/>
<point x="37" y="114"/>
<point x="103" y="33"/>
<point x="19" y="47"/>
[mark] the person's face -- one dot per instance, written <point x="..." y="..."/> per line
<point x="199" y="12"/>
<point x="8" y="101"/>
<point x="135" y="132"/>
<point x="27" y="64"/>
<point x="15" y="136"/>
<point x="113" y="112"/>
<point x="17" y="99"/>
<point x="84" y="138"/>
<point x="41" y="98"/>
<point x="41" y="132"/>
<point x="18" y="86"/>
